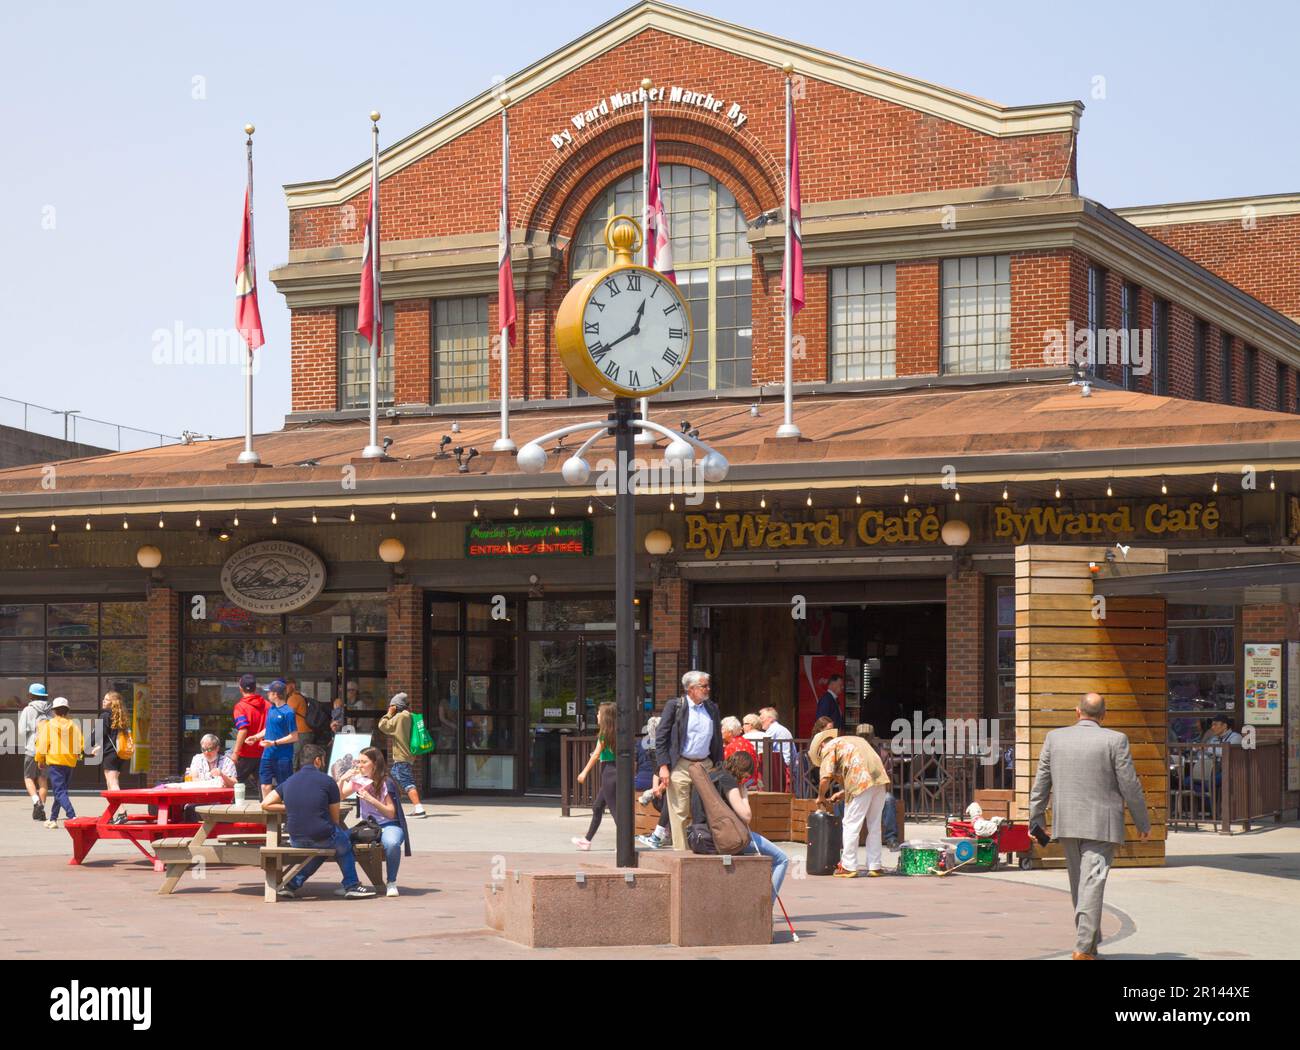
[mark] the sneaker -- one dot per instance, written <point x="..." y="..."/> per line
<point x="841" y="872"/>
<point x="874" y="873"/>
<point x="38" y="812"/>
<point x="421" y="812"/>
<point x="582" y="844"/>
<point x="358" y="892"/>
<point x="120" y="818"/>
<point x="646" y="796"/>
<point x="891" y="844"/>
<point x="52" y="824"/>
<point x="287" y="892"/>
<point x="649" y="842"/>
<point x="392" y="890"/>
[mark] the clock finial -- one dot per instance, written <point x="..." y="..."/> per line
<point x="623" y="237"/>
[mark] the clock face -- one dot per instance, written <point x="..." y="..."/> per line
<point x="637" y="330"/>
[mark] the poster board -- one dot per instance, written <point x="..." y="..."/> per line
<point x="1292" y="735"/>
<point x="1261" y="685"/>
<point x="344" y="750"/>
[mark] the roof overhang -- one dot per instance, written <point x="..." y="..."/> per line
<point x="1235" y="585"/>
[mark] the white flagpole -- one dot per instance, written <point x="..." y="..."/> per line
<point x="503" y="443"/>
<point x="374" y="450"/>
<point x="645" y="437"/>
<point x="249" y="455"/>
<point x="788" y="428"/>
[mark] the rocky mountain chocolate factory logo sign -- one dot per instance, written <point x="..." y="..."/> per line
<point x="273" y="576"/>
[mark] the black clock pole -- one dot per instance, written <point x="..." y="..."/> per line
<point x="625" y="630"/>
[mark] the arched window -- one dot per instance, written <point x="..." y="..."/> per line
<point x="711" y="260"/>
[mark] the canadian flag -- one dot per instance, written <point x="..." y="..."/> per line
<point x="370" y="318"/>
<point x="505" y="275"/>
<point x="793" y="209"/>
<point x="248" y="318"/>
<point x="659" y="241"/>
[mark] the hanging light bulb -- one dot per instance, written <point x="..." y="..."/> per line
<point x="672" y="503"/>
<point x="1058" y="490"/>
<point x="53" y="527"/>
<point x="87" y="524"/>
<point x="18" y="526"/>
<point x="516" y="510"/>
<point x="552" y="508"/>
<point x="808" y="501"/>
<point x="1272" y="483"/>
<point x="590" y="509"/>
<point x="717" y="502"/>
<point x="762" y="502"/>
<point x="956" y="495"/>
<point x="352" y="514"/>
<point x="1108" y="489"/>
<point x="160" y="521"/>
<point x="1215" y="486"/>
<point x="275" y="520"/>
<point x="1005" y="494"/>
<point x="857" y="497"/>
<point x="476" y="510"/>
<point x="1164" y="489"/>
<point x="198" y="522"/>
<point x="433" y="512"/>
<point x="907" y="496"/>
<point x="236" y="521"/>
<point x="313" y="517"/>
<point x="125" y="524"/>
<point x="392" y="514"/>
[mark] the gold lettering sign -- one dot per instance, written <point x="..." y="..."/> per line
<point x="734" y="532"/>
<point x="1158" y="519"/>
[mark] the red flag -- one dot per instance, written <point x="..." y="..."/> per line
<point x="659" y="242"/>
<point x="248" y="318"/>
<point x="793" y="210"/>
<point x="370" y="318"/>
<point x="505" y="274"/>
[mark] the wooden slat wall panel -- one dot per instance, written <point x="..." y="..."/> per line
<point x="1063" y="651"/>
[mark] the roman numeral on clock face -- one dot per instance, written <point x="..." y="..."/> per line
<point x="670" y="309"/>
<point x="676" y="333"/>
<point x="670" y="355"/>
<point x="612" y="370"/>
<point x="634" y="282"/>
<point x="633" y="380"/>
<point x="591" y="328"/>
<point x="598" y="305"/>
<point x="613" y="287"/>
<point x="598" y="351"/>
<point x="655" y="372"/>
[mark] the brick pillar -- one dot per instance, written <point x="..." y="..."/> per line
<point x="965" y="669"/>
<point x="405" y="651"/>
<point x="164" y="649"/>
<point x="671" y="626"/>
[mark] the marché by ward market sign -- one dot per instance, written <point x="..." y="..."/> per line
<point x="528" y="539"/>
<point x="673" y="95"/>
<point x="717" y="534"/>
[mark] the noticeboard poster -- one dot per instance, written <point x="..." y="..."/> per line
<point x="1293" y="716"/>
<point x="1262" y="684"/>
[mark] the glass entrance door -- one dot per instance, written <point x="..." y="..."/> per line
<point x="568" y="678"/>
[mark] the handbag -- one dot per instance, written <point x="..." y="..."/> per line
<point x="421" y="741"/>
<point x="125" y="743"/>
<point x="366" y="832"/>
<point x="728" y="832"/>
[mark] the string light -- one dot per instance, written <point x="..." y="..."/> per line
<point x="476" y="510"/>
<point x="352" y="514"/>
<point x="857" y="497"/>
<point x="87" y="524"/>
<point x="1164" y="489"/>
<point x="1058" y="490"/>
<point x="1272" y="483"/>
<point x="198" y="522"/>
<point x="672" y="503"/>
<point x="1108" y="490"/>
<point x="1215" y="486"/>
<point x="552" y="508"/>
<point x="236" y="522"/>
<point x="53" y="527"/>
<point x="275" y="520"/>
<point x="516" y="510"/>
<point x="808" y="501"/>
<point x="907" y="496"/>
<point x="433" y="512"/>
<point x="313" y="517"/>
<point x="717" y="502"/>
<point x="763" y="501"/>
<point x="160" y="521"/>
<point x="590" y="509"/>
<point x="1005" y="494"/>
<point x="125" y="524"/>
<point x="18" y="526"/>
<point x="392" y="514"/>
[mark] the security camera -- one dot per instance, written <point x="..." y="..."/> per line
<point x="387" y="443"/>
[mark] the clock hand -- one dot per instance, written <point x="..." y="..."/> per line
<point x="635" y="329"/>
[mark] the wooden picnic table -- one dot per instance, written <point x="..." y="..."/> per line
<point x="167" y="821"/>
<point x="243" y="846"/>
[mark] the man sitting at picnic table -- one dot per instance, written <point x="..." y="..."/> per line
<point x="310" y="798"/>
<point x="210" y="766"/>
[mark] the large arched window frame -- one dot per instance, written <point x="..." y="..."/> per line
<point x="712" y="263"/>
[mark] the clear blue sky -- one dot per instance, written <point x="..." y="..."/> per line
<point x="101" y="124"/>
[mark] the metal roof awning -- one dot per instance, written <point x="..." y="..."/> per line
<point x="1232" y="585"/>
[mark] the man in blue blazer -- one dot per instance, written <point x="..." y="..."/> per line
<point x="690" y="733"/>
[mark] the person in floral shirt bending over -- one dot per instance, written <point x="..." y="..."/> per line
<point x="853" y="762"/>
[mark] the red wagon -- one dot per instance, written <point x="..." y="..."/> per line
<point x="1011" y="838"/>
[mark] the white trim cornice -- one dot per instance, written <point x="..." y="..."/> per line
<point x="1229" y="209"/>
<point x="968" y="111"/>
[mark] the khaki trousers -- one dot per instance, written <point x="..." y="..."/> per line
<point x="679" y="798"/>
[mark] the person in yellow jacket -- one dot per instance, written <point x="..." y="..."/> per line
<point x="59" y="746"/>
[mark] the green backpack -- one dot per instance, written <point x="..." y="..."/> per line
<point x="421" y="741"/>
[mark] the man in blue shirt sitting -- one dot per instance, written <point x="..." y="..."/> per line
<point x="310" y="798"/>
<point x="277" y="739"/>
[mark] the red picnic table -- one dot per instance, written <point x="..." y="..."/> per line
<point x="140" y="828"/>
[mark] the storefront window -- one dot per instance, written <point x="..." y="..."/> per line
<point x="1201" y="667"/>
<point x="78" y="650"/>
<point x="712" y="265"/>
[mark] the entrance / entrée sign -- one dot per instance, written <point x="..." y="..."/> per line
<point x="273" y="576"/>
<point x="672" y="94"/>
<point x="529" y="539"/>
<point x="1262" y="684"/>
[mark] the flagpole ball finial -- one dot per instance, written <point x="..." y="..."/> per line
<point x="504" y="100"/>
<point x="788" y="68"/>
<point x="646" y="83"/>
<point x="249" y="129"/>
<point x="374" y="115"/>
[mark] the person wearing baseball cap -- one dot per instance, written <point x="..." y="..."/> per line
<point x="396" y="725"/>
<point x="277" y="738"/>
<point x="250" y="721"/>
<point x="34" y="778"/>
<point x="59" y="746"/>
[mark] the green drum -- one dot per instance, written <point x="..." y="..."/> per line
<point x="919" y="858"/>
<point x="974" y="854"/>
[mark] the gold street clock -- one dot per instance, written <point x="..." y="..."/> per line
<point x="625" y="331"/>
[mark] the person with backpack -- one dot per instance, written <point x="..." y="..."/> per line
<point x="728" y="780"/>
<point x="379" y="800"/>
<point x="396" y="725"/>
<point x="34" y="777"/>
<point x="603" y="752"/>
<point x="115" y="736"/>
<point x="298" y="705"/>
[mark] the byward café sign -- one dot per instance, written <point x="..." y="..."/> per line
<point x="273" y="576"/>
<point x="1101" y="521"/>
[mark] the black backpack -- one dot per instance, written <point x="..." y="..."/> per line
<point x="318" y="720"/>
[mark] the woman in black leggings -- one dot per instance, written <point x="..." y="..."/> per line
<point x="604" y="754"/>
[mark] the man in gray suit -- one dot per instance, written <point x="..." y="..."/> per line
<point x="1087" y="771"/>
